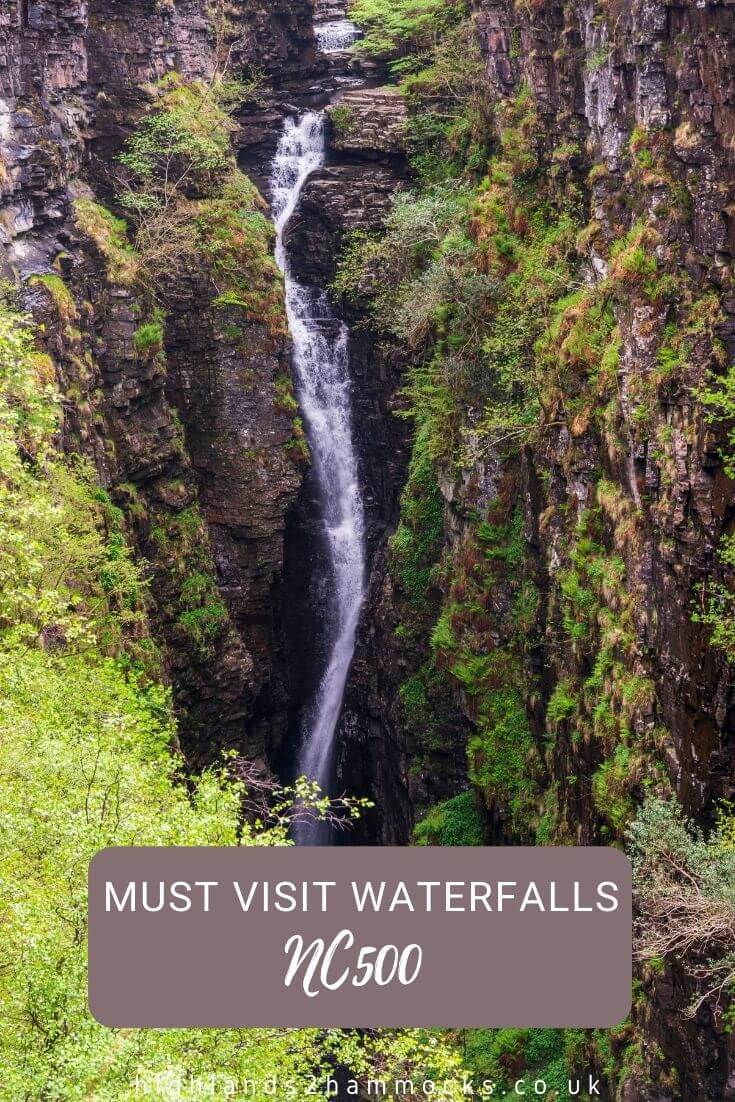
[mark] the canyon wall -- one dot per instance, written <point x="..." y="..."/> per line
<point x="194" y="439"/>
<point x="547" y="640"/>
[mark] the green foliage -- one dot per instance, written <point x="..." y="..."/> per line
<point x="343" y="118"/>
<point x="110" y="235"/>
<point x="610" y="789"/>
<point x="685" y="892"/>
<point x="562" y="704"/>
<point x="285" y="399"/>
<point x="183" y="141"/>
<point x="506" y="1055"/>
<point x="598" y="58"/>
<point x="86" y="762"/>
<point x="449" y="109"/>
<point x="415" y="545"/>
<point x="62" y="550"/>
<point x="62" y="297"/>
<point x="716" y="605"/>
<point x="469" y="278"/>
<point x="426" y="711"/>
<point x="235" y="240"/>
<point x="298" y="445"/>
<point x="483" y="657"/>
<point x="204" y="616"/>
<point x="148" y="338"/>
<point x="603" y="696"/>
<point x="718" y="399"/>
<point x="192" y="207"/>
<point x="501" y="753"/>
<point x="456" y="822"/>
<point x="184" y="554"/>
<point x="403" y="32"/>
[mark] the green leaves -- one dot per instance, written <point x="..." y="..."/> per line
<point x="88" y="760"/>
<point x="403" y="31"/>
<point x="685" y="892"/>
<point x="184" y="140"/>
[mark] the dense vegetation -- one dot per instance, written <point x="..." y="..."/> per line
<point x="88" y="742"/>
<point x="512" y="339"/>
<point x="87" y="760"/>
<point x="483" y="273"/>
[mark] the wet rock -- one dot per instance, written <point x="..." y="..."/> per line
<point x="336" y="201"/>
<point x="369" y="123"/>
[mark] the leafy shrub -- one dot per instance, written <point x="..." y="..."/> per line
<point x="685" y="893"/>
<point x="342" y="118"/>
<point x="457" y="822"/>
<point x="504" y="1055"/>
<point x="191" y="206"/>
<point x="449" y="108"/>
<point x="403" y="32"/>
<point x="87" y="761"/>
<point x="66" y="577"/>
<point x="183" y="143"/>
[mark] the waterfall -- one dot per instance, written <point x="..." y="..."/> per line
<point x="337" y="35"/>
<point x="322" y="377"/>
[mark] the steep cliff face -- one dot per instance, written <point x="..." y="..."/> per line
<point x="192" y="433"/>
<point x="631" y="125"/>
<point x="646" y="99"/>
<point x="549" y="629"/>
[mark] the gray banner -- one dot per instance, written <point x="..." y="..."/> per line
<point x="360" y="937"/>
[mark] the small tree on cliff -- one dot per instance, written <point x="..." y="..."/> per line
<point x="685" y="895"/>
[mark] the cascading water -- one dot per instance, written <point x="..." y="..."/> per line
<point x="335" y="36"/>
<point x="321" y="369"/>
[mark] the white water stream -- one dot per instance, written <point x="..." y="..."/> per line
<point x="321" y="370"/>
<point x="335" y="36"/>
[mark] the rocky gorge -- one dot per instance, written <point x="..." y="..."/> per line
<point x="524" y="218"/>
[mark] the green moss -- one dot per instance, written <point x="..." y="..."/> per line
<point x="562" y="705"/>
<point x="59" y="292"/>
<point x="204" y="624"/>
<point x="428" y="715"/>
<point x="414" y="547"/>
<point x="188" y="579"/>
<point x="503" y="543"/>
<point x="611" y="789"/>
<point x="298" y="445"/>
<point x="501" y="755"/>
<point x="343" y="119"/>
<point x="284" y="397"/>
<point x="148" y="338"/>
<point x="598" y="58"/>
<point x="456" y="822"/>
<point x="235" y="240"/>
<point x="110" y="235"/>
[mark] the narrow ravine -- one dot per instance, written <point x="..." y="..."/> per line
<point x="322" y="377"/>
